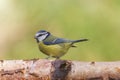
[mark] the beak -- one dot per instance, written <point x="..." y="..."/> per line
<point x="35" y="37"/>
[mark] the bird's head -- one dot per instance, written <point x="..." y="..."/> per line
<point x="41" y="35"/>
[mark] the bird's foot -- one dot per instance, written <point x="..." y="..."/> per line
<point x="47" y="57"/>
<point x="57" y="58"/>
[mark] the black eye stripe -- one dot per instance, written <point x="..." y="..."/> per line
<point x="40" y="35"/>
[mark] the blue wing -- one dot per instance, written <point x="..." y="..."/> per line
<point x="56" y="41"/>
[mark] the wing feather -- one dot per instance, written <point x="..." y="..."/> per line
<point x="56" y="41"/>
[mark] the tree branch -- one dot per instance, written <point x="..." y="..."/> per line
<point x="42" y="69"/>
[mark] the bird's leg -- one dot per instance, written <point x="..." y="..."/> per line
<point x="47" y="57"/>
<point x="57" y="58"/>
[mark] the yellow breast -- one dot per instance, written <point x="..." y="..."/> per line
<point x="56" y="50"/>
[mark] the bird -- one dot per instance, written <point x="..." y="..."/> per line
<point x="54" y="46"/>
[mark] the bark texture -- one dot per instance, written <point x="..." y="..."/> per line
<point x="42" y="69"/>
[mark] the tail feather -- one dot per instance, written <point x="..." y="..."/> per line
<point x="81" y="40"/>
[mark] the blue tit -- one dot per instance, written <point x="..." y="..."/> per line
<point x="52" y="45"/>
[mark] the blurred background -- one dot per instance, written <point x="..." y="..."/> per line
<point x="97" y="20"/>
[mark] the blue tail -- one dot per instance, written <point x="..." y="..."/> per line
<point x="75" y="41"/>
<point x="81" y="40"/>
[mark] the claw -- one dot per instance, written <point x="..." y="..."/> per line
<point x="47" y="57"/>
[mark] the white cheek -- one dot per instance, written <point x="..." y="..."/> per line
<point x="42" y="37"/>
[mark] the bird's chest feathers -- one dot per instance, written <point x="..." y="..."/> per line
<point x="56" y="48"/>
<point x="43" y="46"/>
